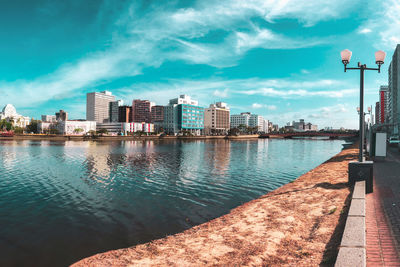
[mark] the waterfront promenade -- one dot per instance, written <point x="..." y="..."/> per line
<point x="383" y="213"/>
<point x="300" y="223"/>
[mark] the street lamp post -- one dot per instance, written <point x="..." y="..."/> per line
<point x="379" y="60"/>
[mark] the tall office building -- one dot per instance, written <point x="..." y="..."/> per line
<point x="383" y="104"/>
<point x="216" y="118"/>
<point x="377" y="113"/>
<point x="394" y="87"/>
<point x="124" y="114"/>
<point x="183" y="114"/>
<point x="97" y="106"/>
<point x="157" y="113"/>
<point x="114" y="110"/>
<point x="141" y="110"/>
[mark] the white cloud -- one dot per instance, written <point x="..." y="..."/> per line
<point x="385" y="21"/>
<point x="167" y="34"/>
<point x="256" y="105"/>
<point x="364" y="30"/>
<point x="335" y="116"/>
<point x="268" y="107"/>
<point x="279" y="88"/>
<point x="305" y="71"/>
<point x="223" y="93"/>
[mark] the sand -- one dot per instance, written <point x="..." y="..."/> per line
<point x="299" y="224"/>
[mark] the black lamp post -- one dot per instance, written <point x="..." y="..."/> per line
<point x="379" y="60"/>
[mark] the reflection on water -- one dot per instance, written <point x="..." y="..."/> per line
<point x="62" y="201"/>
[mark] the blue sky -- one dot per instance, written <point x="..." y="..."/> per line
<point x="279" y="59"/>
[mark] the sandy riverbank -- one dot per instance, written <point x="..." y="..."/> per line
<point x="299" y="224"/>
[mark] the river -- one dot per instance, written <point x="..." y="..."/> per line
<point x="63" y="201"/>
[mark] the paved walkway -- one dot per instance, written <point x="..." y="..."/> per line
<point x="383" y="213"/>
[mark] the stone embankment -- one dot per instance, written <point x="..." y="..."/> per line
<point x="299" y="224"/>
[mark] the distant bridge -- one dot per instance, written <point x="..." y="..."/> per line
<point x="309" y="134"/>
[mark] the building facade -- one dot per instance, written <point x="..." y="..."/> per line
<point x="97" y="106"/>
<point x="257" y="121"/>
<point x="114" y="110"/>
<point x="247" y="119"/>
<point x="125" y="128"/>
<point x="124" y="114"/>
<point x="394" y="87"/>
<point x="383" y="104"/>
<point x="377" y="112"/>
<point x="61" y="115"/>
<point x="75" y="127"/>
<point x="157" y="113"/>
<point x="49" y="118"/>
<point x="240" y="119"/>
<point x="183" y="115"/>
<point x="217" y="119"/>
<point x="141" y="110"/>
<point x="9" y="113"/>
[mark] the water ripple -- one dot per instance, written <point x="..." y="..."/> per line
<point x="88" y="197"/>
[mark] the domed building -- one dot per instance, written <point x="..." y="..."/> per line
<point x="10" y="114"/>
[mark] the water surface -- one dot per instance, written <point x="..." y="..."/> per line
<point x="62" y="201"/>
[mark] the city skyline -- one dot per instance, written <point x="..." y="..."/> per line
<point x="277" y="59"/>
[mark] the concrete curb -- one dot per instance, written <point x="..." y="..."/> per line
<point x="352" y="248"/>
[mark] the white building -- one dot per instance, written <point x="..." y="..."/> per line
<point x="257" y="121"/>
<point x="44" y="127"/>
<point x="216" y="118"/>
<point x="49" y="118"/>
<point x="98" y="106"/>
<point x="241" y="119"/>
<point x="265" y="126"/>
<point x="249" y="120"/>
<point x="75" y="127"/>
<point x="183" y="99"/>
<point x="126" y="127"/>
<point x="10" y="114"/>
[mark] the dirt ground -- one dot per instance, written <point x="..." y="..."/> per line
<point x="299" y="224"/>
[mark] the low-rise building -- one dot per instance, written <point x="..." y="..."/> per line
<point x="75" y="127"/>
<point x="125" y="128"/>
<point x="301" y="126"/>
<point x="10" y="114"/>
<point x="216" y="119"/>
<point x="240" y="119"/>
<point x="247" y="119"/>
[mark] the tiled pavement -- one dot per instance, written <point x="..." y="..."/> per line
<point x="383" y="213"/>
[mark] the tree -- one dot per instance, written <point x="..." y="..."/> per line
<point x="5" y="125"/>
<point x="102" y="131"/>
<point x="32" y="127"/>
<point x="18" y="130"/>
<point x="78" y="130"/>
<point x="53" y="131"/>
<point x="234" y="132"/>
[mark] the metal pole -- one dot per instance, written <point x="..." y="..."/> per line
<point x="361" y="159"/>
